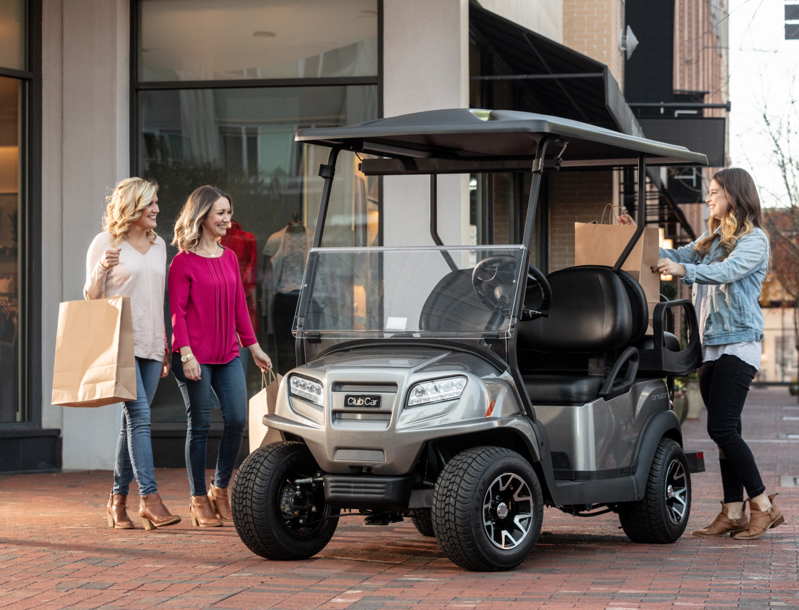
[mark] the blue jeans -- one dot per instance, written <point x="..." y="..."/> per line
<point x="228" y="383"/>
<point x="134" y="448"/>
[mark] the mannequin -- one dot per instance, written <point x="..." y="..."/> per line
<point x="285" y="254"/>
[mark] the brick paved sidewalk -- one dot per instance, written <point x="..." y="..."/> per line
<point x="56" y="552"/>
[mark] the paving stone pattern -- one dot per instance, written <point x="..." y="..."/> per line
<point x="56" y="552"/>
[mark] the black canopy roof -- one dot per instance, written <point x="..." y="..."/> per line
<point x="498" y="135"/>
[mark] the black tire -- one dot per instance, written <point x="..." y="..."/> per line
<point x="465" y="528"/>
<point x="422" y="518"/>
<point x="256" y="500"/>
<point x="661" y="516"/>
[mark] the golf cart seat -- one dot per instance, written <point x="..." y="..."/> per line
<point x="595" y="311"/>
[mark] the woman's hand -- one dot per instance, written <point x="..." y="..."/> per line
<point x="625" y="219"/>
<point x="110" y="258"/>
<point x="666" y="266"/>
<point x="261" y="359"/>
<point x="167" y="365"/>
<point x="192" y="370"/>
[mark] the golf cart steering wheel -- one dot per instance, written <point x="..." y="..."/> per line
<point x="493" y="276"/>
<point x="534" y="276"/>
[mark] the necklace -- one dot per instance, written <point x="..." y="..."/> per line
<point x="137" y="245"/>
<point x="211" y="254"/>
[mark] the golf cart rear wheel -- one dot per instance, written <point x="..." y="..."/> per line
<point x="487" y="509"/>
<point x="661" y="516"/>
<point x="423" y="520"/>
<point x="270" y="518"/>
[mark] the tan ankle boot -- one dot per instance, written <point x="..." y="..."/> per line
<point x="220" y="501"/>
<point x="762" y="521"/>
<point x="202" y="513"/>
<point x="722" y="525"/>
<point x="118" y="512"/>
<point x="154" y="514"/>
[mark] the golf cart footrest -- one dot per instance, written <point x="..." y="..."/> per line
<point x="369" y="492"/>
<point x="696" y="461"/>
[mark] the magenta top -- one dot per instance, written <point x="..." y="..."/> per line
<point x="208" y="307"/>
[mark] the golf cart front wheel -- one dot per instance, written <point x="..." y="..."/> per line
<point x="274" y="516"/>
<point x="487" y="509"/>
<point x="422" y="519"/>
<point x="661" y="516"/>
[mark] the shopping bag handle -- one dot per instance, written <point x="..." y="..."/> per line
<point x="271" y="378"/>
<point x="619" y="209"/>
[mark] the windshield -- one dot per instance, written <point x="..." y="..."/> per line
<point x="443" y="292"/>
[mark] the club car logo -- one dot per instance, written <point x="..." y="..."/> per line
<point x="368" y="402"/>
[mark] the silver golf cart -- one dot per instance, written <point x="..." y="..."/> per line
<point x="463" y="388"/>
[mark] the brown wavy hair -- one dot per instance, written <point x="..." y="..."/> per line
<point x="125" y="206"/>
<point x="743" y="213"/>
<point x="188" y="226"/>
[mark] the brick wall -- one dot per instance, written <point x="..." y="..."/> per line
<point x="592" y="28"/>
<point x="574" y="197"/>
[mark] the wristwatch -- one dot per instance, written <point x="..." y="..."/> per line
<point x="186" y="358"/>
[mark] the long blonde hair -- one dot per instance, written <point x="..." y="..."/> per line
<point x="125" y="206"/>
<point x="189" y="225"/>
<point x="743" y="213"/>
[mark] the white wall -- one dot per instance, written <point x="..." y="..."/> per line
<point x="425" y="67"/>
<point x="543" y="17"/>
<point x="85" y="153"/>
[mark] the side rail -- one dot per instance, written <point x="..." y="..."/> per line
<point x="660" y="358"/>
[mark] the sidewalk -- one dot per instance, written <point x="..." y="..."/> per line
<point x="56" y="552"/>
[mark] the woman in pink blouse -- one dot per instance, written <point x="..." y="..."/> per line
<point x="209" y="319"/>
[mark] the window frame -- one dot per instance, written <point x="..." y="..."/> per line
<point x="29" y="244"/>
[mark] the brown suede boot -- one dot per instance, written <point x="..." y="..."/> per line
<point x="154" y="514"/>
<point x="118" y="512"/>
<point x="220" y="502"/>
<point x="722" y="525"/>
<point x="202" y="513"/>
<point x="762" y="521"/>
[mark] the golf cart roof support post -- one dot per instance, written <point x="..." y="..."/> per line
<point x="434" y="221"/>
<point x="327" y="172"/>
<point x="535" y="187"/>
<point x="640" y="213"/>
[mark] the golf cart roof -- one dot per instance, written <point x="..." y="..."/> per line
<point x="500" y="140"/>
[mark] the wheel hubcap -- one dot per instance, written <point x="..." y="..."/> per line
<point x="676" y="491"/>
<point x="508" y="511"/>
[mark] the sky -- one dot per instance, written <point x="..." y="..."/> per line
<point x="764" y="77"/>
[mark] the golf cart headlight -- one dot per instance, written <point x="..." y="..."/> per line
<point x="437" y="390"/>
<point x="307" y="389"/>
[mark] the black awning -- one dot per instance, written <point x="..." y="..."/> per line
<point x="557" y="80"/>
<point x="702" y="134"/>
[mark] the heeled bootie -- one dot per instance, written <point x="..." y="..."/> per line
<point x="118" y="512"/>
<point x="202" y="513"/>
<point x="220" y="502"/>
<point x="722" y="525"/>
<point x="154" y="514"/>
<point x="762" y="521"/>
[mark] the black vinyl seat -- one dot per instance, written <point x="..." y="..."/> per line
<point x="595" y="311"/>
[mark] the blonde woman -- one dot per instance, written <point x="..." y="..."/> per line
<point x="209" y="319"/>
<point x="129" y="259"/>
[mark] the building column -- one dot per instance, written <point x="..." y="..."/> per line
<point x="425" y="67"/>
<point x="86" y="151"/>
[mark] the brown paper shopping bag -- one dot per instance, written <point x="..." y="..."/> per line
<point x="262" y="403"/>
<point x="600" y="244"/>
<point x="94" y="360"/>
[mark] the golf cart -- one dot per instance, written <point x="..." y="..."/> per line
<point x="463" y="388"/>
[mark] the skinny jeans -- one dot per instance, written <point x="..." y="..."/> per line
<point x="134" y="448"/>
<point x="228" y="383"/>
<point x="724" y="384"/>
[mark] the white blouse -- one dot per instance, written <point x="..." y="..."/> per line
<point x="139" y="276"/>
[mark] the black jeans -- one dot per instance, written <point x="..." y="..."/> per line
<point x="724" y="384"/>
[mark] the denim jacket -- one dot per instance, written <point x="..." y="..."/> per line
<point x="734" y="313"/>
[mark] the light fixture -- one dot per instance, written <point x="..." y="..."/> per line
<point x="302" y="387"/>
<point x="627" y="41"/>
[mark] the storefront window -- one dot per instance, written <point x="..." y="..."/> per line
<point x="242" y="140"/>
<point x="12" y="34"/>
<point x="256" y="39"/>
<point x="11" y="151"/>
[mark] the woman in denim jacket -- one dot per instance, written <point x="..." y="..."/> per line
<point x="726" y="267"/>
